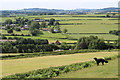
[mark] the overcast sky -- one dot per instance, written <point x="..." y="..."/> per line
<point x="56" y="4"/>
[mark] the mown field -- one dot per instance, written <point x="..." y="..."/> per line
<point x="107" y="71"/>
<point x="28" y="64"/>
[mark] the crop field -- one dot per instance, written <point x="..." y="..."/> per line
<point x="107" y="71"/>
<point x="28" y="64"/>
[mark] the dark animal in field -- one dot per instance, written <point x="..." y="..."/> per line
<point x="100" y="60"/>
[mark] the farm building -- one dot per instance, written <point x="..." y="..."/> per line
<point x="56" y="30"/>
<point x="57" y="42"/>
<point x="45" y="29"/>
<point x="39" y="20"/>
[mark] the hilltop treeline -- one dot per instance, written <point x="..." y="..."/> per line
<point x="41" y="11"/>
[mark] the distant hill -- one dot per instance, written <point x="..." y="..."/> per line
<point x="104" y="10"/>
<point x="110" y="9"/>
<point x="44" y="11"/>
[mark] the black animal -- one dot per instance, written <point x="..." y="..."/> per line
<point x="100" y="60"/>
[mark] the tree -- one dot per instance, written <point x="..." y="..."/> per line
<point x="17" y="29"/>
<point x="8" y="21"/>
<point x="43" y="25"/>
<point x="57" y="23"/>
<point x="34" y="32"/>
<point x="92" y="42"/>
<point x="34" y="28"/>
<point x="114" y="14"/>
<point x="107" y="15"/>
<point x="52" y="30"/>
<point x="65" y="30"/>
<point x="10" y="31"/>
<point x="29" y="23"/>
<point x="34" y="25"/>
<point x="7" y="27"/>
<point x="51" y="21"/>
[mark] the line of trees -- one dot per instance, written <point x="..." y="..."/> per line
<point x="27" y="45"/>
<point x="115" y="32"/>
<point x="93" y="42"/>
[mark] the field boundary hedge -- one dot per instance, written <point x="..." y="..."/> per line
<point x="29" y="55"/>
<point x="52" y="72"/>
<point x="87" y="33"/>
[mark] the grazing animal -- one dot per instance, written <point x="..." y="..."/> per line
<point x="100" y="60"/>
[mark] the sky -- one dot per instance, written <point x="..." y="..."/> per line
<point x="57" y="4"/>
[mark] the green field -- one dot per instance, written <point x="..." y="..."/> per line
<point x="107" y="71"/>
<point x="93" y="28"/>
<point x="28" y="64"/>
<point x="100" y="22"/>
<point x="90" y="24"/>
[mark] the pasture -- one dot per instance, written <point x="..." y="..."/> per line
<point x="87" y="28"/>
<point x="28" y="64"/>
<point x="107" y="71"/>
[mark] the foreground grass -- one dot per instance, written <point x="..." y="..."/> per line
<point x="107" y="71"/>
<point x="28" y="64"/>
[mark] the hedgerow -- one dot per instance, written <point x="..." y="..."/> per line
<point x="26" y="55"/>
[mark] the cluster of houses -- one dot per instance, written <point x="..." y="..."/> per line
<point x="40" y="20"/>
<point x="47" y="29"/>
<point x="22" y="28"/>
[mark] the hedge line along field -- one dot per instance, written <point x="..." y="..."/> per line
<point x="48" y="38"/>
<point x="102" y="36"/>
<point x="107" y="71"/>
<point x="25" y="32"/>
<point x="28" y="64"/>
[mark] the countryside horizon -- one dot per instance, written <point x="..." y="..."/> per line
<point x="59" y="4"/>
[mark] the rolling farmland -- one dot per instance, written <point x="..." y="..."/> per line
<point x="28" y="64"/>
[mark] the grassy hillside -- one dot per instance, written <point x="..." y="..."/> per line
<point x="107" y="71"/>
<point x="29" y="64"/>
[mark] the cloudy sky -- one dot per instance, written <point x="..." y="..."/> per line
<point x="56" y="4"/>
